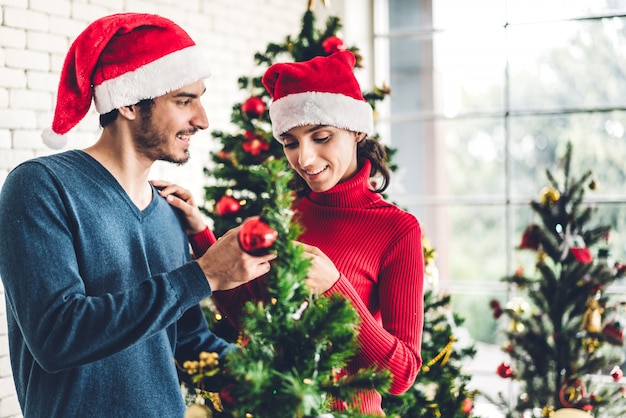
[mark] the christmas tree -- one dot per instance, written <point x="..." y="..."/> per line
<point x="234" y="194"/>
<point x="295" y="343"/>
<point x="441" y="389"/>
<point x="563" y="330"/>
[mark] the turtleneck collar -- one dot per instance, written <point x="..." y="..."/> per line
<point x="355" y="192"/>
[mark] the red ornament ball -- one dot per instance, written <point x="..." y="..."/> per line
<point x="227" y="205"/>
<point x="467" y="406"/>
<point x="505" y="371"/>
<point x="253" y="107"/>
<point x="256" y="237"/>
<point x="332" y="44"/>
<point x="616" y="373"/>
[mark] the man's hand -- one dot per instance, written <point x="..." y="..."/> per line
<point x="227" y="266"/>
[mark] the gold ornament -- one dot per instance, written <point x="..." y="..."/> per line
<point x="197" y="410"/>
<point x="518" y="307"/>
<point x="549" y="195"/>
<point x="311" y="5"/>
<point x="592" y="318"/>
<point x="547" y="411"/>
<point x="445" y="353"/>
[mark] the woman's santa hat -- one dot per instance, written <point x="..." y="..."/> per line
<point x="321" y="91"/>
<point x="118" y="61"/>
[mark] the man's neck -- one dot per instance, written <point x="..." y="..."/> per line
<point x="129" y="168"/>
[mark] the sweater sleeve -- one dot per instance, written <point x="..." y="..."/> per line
<point x="229" y="302"/>
<point x="201" y="241"/>
<point x="63" y="325"/>
<point x="397" y="343"/>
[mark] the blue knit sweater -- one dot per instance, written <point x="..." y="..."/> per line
<point x="100" y="295"/>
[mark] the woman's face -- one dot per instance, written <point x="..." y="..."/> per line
<point x="322" y="155"/>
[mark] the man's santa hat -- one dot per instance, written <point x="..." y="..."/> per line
<point x="119" y="60"/>
<point x="321" y="91"/>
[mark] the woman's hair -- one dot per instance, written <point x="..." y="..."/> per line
<point x="367" y="149"/>
<point x="145" y="107"/>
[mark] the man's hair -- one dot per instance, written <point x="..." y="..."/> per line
<point x="145" y="108"/>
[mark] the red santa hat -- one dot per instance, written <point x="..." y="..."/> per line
<point x="119" y="60"/>
<point x="321" y="91"/>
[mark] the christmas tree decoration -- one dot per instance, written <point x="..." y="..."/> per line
<point x="549" y="196"/>
<point x="254" y="107"/>
<point x="227" y="205"/>
<point x="505" y="371"/>
<point x="332" y="44"/>
<point x="592" y="318"/>
<point x="616" y="373"/>
<point x="256" y="237"/>
<point x="529" y="238"/>
<point x="569" y="332"/>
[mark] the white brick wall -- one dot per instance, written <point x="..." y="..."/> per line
<point x="34" y="36"/>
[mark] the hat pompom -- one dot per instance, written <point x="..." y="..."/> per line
<point x="52" y="139"/>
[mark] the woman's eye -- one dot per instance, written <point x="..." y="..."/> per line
<point x="289" y="145"/>
<point x="322" y="139"/>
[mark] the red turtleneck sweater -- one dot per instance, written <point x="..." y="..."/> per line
<point x="377" y="248"/>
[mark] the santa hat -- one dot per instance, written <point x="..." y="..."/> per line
<point x="119" y="60"/>
<point x="321" y="91"/>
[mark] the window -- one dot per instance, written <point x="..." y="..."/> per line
<point x="485" y="96"/>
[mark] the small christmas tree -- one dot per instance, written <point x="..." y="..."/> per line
<point x="296" y="342"/>
<point x="565" y="347"/>
<point x="441" y="388"/>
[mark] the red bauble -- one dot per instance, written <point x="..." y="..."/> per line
<point x="255" y="144"/>
<point x="496" y="308"/>
<point x="256" y="237"/>
<point x="332" y="44"/>
<point x="253" y="107"/>
<point x="505" y="371"/>
<point x="616" y="373"/>
<point x="467" y="406"/>
<point x="227" y="205"/>
<point x="530" y="240"/>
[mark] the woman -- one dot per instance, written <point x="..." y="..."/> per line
<point x="361" y="246"/>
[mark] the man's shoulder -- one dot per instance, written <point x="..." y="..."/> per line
<point x="60" y="163"/>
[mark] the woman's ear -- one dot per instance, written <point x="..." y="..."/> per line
<point x="360" y="136"/>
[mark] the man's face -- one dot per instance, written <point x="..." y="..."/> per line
<point x="165" y="128"/>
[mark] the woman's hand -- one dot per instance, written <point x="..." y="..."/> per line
<point x="322" y="274"/>
<point x="182" y="200"/>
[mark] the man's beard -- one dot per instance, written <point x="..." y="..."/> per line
<point x="153" y="143"/>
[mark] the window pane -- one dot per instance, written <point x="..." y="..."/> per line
<point x="542" y="10"/>
<point x="598" y="145"/>
<point x="565" y="65"/>
<point x="469" y="70"/>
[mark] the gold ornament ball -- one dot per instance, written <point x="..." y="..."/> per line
<point x="197" y="410"/>
<point x="549" y="195"/>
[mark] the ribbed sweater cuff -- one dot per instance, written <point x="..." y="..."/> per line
<point x="201" y="241"/>
<point x="189" y="283"/>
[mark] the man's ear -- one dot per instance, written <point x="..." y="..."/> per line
<point x="129" y="112"/>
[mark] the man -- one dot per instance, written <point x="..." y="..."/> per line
<point x="100" y="288"/>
